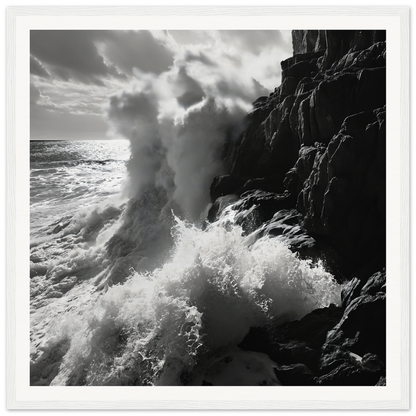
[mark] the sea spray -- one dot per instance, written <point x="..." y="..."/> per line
<point x="155" y="327"/>
<point x="178" y="123"/>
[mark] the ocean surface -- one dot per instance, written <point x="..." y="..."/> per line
<point x="124" y="290"/>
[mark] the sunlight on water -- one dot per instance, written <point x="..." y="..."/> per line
<point x="65" y="176"/>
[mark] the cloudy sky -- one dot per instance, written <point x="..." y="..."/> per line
<point x="75" y="74"/>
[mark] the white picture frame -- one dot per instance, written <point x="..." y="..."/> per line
<point x="20" y="20"/>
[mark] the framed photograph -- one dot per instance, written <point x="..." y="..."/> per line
<point x="208" y="208"/>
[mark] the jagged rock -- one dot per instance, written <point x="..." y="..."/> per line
<point x="373" y="57"/>
<point x="286" y="226"/>
<point x="296" y="342"/>
<point x="288" y="86"/>
<point x="225" y="185"/>
<point x="296" y="177"/>
<point x="341" y="198"/>
<point x="304" y="40"/>
<point x="295" y="352"/>
<point x="295" y="375"/>
<point x="339" y="42"/>
<point x="336" y="43"/>
<point x="298" y="70"/>
<point x="263" y="184"/>
<point x="376" y="283"/>
<point x="350" y="291"/>
<point x="362" y="328"/>
<point x="247" y="145"/>
<point x="219" y="205"/>
<point x="264" y="149"/>
<point x="306" y="84"/>
<point x="257" y="207"/>
<point x="354" y="352"/>
<point x="300" y="57"/>
<point x="302" y="111"/>
<point x="351" y="373"/>
<point x="341" y="96"/>
<point x="314" y="327"/>
<point x="294" y="117"/>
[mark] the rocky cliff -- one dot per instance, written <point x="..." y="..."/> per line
<point x="308" y="163"/>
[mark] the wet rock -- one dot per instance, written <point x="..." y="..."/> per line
<point x="225" y="185"/>
<point x="339" y="42"/>
<point x="219" y="205"/>
<point x="288" y="86"/>
<point x="375" y="284"/>
<point x="373" y="57"/>
<point x="295" y="375"/>
<point x="296" y="342"/>
<point x="256" y="207"/>
<point x="351" y="373"/>
<point x="296" y="177"/>
<point x="298" y="70"/>
<point x="262" y="184"/>
<point x="341" y="96"/>
<point x="354" y="352"/>
<point x="305" y="40"/>
<point x="364" y="322"/>
<point x="299" y="57"/>
<point x="295" y="127"/>
<point x="350" y="291"/>
<point x="287" y="226"/>
<point x="246" y="149"/>
<point x="342" y="196"/>
<point x="239" y="368"/>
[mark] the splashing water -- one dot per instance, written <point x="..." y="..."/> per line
<point x="157" y="327"/>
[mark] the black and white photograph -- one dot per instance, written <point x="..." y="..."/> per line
<point x="207" y="208"/>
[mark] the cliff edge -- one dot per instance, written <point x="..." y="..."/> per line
<point x="309" y="163"/>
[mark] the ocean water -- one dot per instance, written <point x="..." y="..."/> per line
<point x="126" y="290"/>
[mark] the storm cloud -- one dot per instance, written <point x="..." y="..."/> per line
<point x="74" y="72"/>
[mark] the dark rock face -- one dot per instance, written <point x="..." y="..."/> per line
<point x="219" y="205"/>
<point x="295" y="345"/>
<point x="343" y="197"/>
<point x="335" y="43"/>
<point x="355" y="349"/>
<point x="331" y="346"/>
<point x="225" y="185"/>
<point x="308" y="165"/>
<point x="307" y="41"/>
<point x="260" y="206"/>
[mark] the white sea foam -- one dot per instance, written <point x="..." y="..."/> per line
<point x="155" y="327"/>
